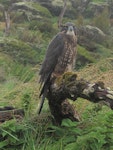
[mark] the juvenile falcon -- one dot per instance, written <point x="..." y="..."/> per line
<point x="60" y="57"/>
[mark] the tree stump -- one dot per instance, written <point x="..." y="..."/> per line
<point x="68" y="86"/>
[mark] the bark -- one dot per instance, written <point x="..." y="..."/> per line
<point x="68" y="86"/>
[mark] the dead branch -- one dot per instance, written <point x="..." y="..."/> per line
<point x="7" y="113"/>
<point x="62" y="14"/>
<point x="68" y="86"/>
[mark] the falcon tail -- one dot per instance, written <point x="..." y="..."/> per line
<point x="41" y="103"/>
<point x="43" y="93"/>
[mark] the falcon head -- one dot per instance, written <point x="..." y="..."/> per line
<point x="69" y="29"/>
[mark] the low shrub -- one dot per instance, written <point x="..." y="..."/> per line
<point x="44" y="26"/>
<point x="20" y="51"/>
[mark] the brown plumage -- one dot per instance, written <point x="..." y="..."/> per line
<point x="60" y="57"/>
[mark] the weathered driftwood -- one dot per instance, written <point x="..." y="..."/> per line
<point x="7" y="113"/>
<point x="68" y="86"/>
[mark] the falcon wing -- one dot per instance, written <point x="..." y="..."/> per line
<point x="53" y="52"/>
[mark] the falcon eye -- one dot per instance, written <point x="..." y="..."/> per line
<point x="65" y="28"/>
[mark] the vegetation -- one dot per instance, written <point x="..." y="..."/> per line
<point x="21" y="53"/>
<point x="100" y="22"/>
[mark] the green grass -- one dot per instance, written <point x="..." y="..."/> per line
<point x="94" y="131"/>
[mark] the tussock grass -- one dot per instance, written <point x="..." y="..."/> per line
<point x="100" y="71"/>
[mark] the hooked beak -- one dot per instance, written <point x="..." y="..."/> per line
<point x="70" y="30"/>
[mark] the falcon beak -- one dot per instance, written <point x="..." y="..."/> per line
<point x="70" y="30"/>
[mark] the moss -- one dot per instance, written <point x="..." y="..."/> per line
<point x="67" y="78"/>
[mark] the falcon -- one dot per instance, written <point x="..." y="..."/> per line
<point x="60" y="58"/>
